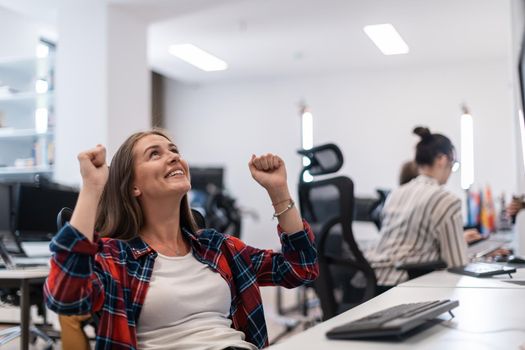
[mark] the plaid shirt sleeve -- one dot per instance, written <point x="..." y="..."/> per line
<point x="72" y="287"/>
<point x="294" y="266"/>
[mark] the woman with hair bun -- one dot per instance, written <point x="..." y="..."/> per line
<point x="422" y="222"/>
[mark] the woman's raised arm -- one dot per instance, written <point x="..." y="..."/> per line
<point x="94" y="171"/>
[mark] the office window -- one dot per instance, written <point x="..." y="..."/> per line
<point x="307" y="137"/>
<point x="467" y="149"/>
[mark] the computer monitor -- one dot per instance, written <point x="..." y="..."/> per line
<point x="7" y="238"/>
<point x="202" y="177"/>
<point x="37" y="208"/>
<point x="5" y="207"/>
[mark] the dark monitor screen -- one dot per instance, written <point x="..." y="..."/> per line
<point x="201" y="177"/>
<point x="37" y="209"/>
<point x="6" y="235"/>
<point x="5" y="207"/>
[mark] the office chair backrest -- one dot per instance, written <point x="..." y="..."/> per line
<point x="223" y="214"/>
<point x="328" y="205"/>
<point x="324" y="159"/>
<point x="369" y="209"/>
<point x="64" y="215"/>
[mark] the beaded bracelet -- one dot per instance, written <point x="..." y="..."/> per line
<point x="290" y="206"/>
<point x="281" y="202"/>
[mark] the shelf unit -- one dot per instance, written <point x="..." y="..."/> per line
<point x="26" y="117"/>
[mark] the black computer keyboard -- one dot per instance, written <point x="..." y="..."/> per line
<point x="393" y="321"/>
<point x="480" y="269"/>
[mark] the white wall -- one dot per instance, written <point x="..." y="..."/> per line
<point x="18" y="35"/>
<point x="81" y="90"/>
<point x="129" y="87"/>
<point x="370" y="115"/>
<point x="102" y="81"/>
<point x="517" y="12"/>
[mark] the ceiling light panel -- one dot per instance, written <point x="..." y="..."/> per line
<point x="197" y="57"/>
<point x="387" y="39"/>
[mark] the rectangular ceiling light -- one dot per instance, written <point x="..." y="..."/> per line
<point x="197" y="57"/>
<point x="387" y="39"/>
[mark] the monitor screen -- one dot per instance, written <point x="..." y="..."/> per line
<point x="37" y="209"/>
<point x="201" y="177"/>
<point x="6" y="223"/>
<point x="5" y="207"/>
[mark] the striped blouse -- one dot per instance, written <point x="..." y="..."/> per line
<point x="422" y="222"/>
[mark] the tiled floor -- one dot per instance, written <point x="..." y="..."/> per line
<point x="15" y="344"/>
<point x="276" y="323"/>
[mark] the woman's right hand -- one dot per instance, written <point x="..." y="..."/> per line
<point x="471" y="235"/>
<point x="93" y="168"/>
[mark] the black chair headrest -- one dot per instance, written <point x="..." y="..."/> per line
<point x="324" y="159"/>
<point x="64" y="215"/>
<point x="199" y="218"/>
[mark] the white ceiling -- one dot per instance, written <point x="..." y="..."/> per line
<point x="280" y="38"/>
<point x="276" y="38"/>
<point x="157" y="10"/>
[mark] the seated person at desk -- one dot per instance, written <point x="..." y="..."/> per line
<point x="515" y="206"/>
<point x="422" y="222"/>
<point x="154" y="280"/>
<point x="409" y="171"/>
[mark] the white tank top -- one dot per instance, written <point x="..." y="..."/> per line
<point x="186" y="307"/>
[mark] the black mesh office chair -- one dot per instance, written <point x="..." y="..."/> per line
<point x="346" y="279"/>
<point x="65" y="214"/>
<point x="223" y="214"/>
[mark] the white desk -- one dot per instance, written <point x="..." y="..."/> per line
<point x="445" y="279"/>
<point x="481" y="310"/>
<point x="22" y="279"/>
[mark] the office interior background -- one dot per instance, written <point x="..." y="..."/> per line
<point x="282" y="55"/>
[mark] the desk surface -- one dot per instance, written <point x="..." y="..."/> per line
<point x="487" y="318"/>
<point x="445" y="279"/>
<point x="21" y="274"/>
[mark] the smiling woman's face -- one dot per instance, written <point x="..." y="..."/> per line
<point x="159" y="169"/>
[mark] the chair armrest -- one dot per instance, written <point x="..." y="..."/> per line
<point x="434" y="265"/>
<point x="418" y="269"/>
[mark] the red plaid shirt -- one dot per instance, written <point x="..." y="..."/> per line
<point x="110" y="277"/>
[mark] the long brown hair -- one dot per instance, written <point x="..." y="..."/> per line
<point x="119" y="214"/>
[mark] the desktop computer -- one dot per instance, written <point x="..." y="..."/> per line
<point x="7" y="239"/>
<point x="28" y="213"/>
<point x="36" y="208"/>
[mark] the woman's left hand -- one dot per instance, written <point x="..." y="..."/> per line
<point x="269" y="171"/>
